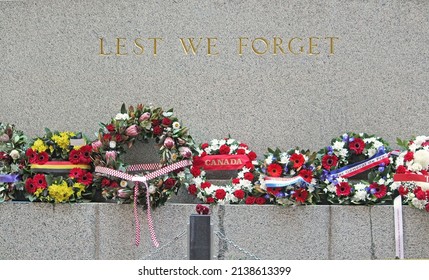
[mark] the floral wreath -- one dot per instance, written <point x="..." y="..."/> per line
<point x="140" y="124"/>
<point x="223" y="150"/>
<point x="414" y="160"/>
<point x="347" y="151"/>
<point x="290" y="164"/>
<point x="58" y="167"/>
<point x="12" y="151"/>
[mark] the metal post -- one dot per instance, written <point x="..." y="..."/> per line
<point x="200" y="237"/>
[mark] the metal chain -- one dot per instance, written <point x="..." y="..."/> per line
<point x="165" y="245"/>
<point x="224" y="238"/>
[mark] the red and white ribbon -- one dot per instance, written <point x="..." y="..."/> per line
<point x="143" y="179"/>
<point x="399" y="228"/>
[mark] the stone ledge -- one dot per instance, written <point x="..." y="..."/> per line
<point x="106" y="231"/>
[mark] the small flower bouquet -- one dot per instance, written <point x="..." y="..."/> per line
<point x="12" y="157"/>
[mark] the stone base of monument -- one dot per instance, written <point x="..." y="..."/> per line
<point x="106" y="231"/>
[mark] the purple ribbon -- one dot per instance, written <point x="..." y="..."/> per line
<point x="9" y="178"/>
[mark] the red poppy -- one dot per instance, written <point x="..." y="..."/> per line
<point x="75" y="173"/>
<point x="239" y="194"/>
<point x="297" y="160"/>
<point x="306" y="174"/>
<point x="39" y="181"/>
<point x="300" y="195"/>
<point x="329" y="161"/>
<point x="224" y="150"/>
<point x="220" y="194"/>
<point x="42" y="158"/>
<point x="29" y="186"/>
<point x="357" y="145"/>
<point x="343" y="189"/>
<point x="85" y="179"/>
<point x="274" y="170"/>
<point x="74" y="157"/>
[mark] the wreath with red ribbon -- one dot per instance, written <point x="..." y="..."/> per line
<point x="223" y="154"/>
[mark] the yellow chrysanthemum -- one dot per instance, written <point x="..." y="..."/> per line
<point x="38" y="192"/>
<point x="80" y="187"/>
<point x="77" y="148"/>
<point x="62" y="140"/>
<point x="39" y="146"/>
<point x="60" y="192"/>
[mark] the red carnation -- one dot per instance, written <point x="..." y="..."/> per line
<point x="192" y="189"/>
<point x="241" y="151"/>
<point x="32" y="156"/>
<point x="306" y="174"/>
<point x="169" y="183"/>
<point x="42" y="158"/>
<point x="401" y="169"/>
<point x="250" y="200"/>
<point x="220" y="194"/>
<point x="76" y="173"/>
<point x="420" y="194"/>
<point x="236" y="181"/>
<point x="329" y="161"/>
<point x="74" y="157"/>
<point x="210" y="200"/>
<point x="39" y="181"/>
<point x="343" y="189"/>
<point x="252" y="155"/>
<point x="239" y="194"/>
<point x="114" y="184"/>
<point x="427" y="207"/>
<point x="274" y="170"/>
<point x="85" y="154"/>
<point x="204" y="146"/>
<point x="243" y="145"/>
<point x="297" y="160"/>
<point x="224" y="150"/>
<point x="157" y="130"/>
<point x="105" y="182"/>
<point x="379" y="190"/>
<point x="85" y="179"/>
<point x="249" y="165"/>
<point x="424" y="172"/>
<point x="300" y="195"/>
<point x="110" y="127"/>
<point x="29" y="186"/>
<point x="205" y="185"/>
<point x="402" y="191"/>
<point x="166" y="121"/>
<point x="357" y="145"/>
<point x="260" y="200"/>
<point x="249" y="176"/>
<point x="155" y="122"/>
<point x="409" y="156"/>
<point x="195" y="171"/>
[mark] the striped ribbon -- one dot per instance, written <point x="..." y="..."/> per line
<point x="275" y="182"/>
<point x="359" y="167"/>
<point x="136" y="179"/>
